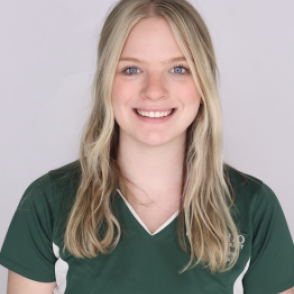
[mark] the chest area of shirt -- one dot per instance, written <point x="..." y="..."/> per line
<point x="141" y="266"/>
<point x="146" y="263"/>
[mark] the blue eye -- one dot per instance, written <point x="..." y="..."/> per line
<point x="179" y="70"/>
<point x="130" y="70"/>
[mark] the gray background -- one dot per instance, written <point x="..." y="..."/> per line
<point x="47" y="60"/>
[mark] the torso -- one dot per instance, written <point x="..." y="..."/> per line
<point x="147" y="259"/>
<point x="147" y="262"/>
<point x="143" y="262"/>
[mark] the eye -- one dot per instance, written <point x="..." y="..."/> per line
<point x="180" y="69"/>
<point x="130" y="70"/>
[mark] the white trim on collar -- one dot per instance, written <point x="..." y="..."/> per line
<point x="134" y="213"/>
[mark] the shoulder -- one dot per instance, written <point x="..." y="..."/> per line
<point x="66" y="179"/>
<point x="39" y="222"/>
<point x="48" y="200"/>
<point x="248" y="188"/>
<point x="51" y="189"/>
<point x="256" y="207"/>
<point x="66" y="174"/>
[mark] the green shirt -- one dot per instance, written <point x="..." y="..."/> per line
<point x="143" y="262"/>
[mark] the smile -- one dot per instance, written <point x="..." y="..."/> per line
<point x="154" y="114"/>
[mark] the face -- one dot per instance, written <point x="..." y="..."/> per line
<point x="154" y="96"/>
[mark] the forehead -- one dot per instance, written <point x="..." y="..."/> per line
<point x="151" y="39"/>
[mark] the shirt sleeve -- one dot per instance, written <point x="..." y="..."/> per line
<point x="28" y="246"/>
<point x="271" y="268"/>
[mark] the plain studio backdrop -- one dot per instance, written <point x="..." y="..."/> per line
<point x="47" y="61"/>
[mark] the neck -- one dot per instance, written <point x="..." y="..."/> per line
<point x="153" y="170"/>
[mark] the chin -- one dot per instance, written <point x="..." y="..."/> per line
<point x="155" y="141"/>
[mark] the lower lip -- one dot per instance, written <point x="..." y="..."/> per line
<point x="155" y="120"/>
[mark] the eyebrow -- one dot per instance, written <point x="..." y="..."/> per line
<point x="180" y="58"/>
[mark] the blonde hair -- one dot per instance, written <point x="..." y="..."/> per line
<point x="206" y="200"/>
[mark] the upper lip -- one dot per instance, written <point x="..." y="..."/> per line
<point x="159" y="109"/>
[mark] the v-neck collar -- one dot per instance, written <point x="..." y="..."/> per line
<point x="139" y="220"/>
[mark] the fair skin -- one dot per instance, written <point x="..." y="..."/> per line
<point x="151" y="150"/>
<point x="18" y="284"/>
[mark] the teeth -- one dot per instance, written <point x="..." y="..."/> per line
<point x="154" y="113"/>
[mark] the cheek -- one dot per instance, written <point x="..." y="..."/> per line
<point x="191" y="102"/>
<point x="116" y="90"/>
<point x="186" y="91"/>
<point x="121" y="92"/>
<point x="190" y="96"/>
<point x="118" y="97"/>
<point x="121" y="100"/>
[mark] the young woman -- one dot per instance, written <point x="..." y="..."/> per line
<point x="150" y="207"/>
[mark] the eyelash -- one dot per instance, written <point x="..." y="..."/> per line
<point x="178" y="65"/>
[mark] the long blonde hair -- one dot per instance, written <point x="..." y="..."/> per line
<point x="206" y="202"/>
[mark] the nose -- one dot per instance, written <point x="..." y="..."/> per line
<point x="154" y="87"/>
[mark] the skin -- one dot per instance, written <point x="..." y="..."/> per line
<point x="148" y="150"/>
<point x="151" y="153"/>
<point x="153" y="82"/>
<point x="18" y="284"/>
